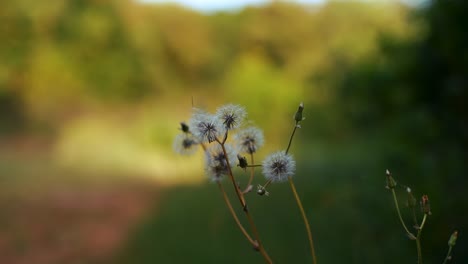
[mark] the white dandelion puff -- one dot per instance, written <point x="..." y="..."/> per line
<point x="205" y="127"/>
<point x="278" y="166"/>
<point x="231" y="115"/>
<point x="249" y="140"/>
<point x="216" y="165"/>
<point x="184" y="144"/>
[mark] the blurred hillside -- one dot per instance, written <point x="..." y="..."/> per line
<point x="96" y="88"/>
<point x="75" y="71"/>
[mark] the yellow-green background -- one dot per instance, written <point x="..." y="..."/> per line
<point x="95" y="90"/>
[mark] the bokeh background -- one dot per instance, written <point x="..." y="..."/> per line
<point x="92" y="92"/>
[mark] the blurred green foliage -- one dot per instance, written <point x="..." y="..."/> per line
<point x="384" y="86"/>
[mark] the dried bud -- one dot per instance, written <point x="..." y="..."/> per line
<point x="425" y="205"/>
<point x="411" y="199"/>
<point x="298" y="116"/>
<point x="184" y="127"/>
<point x="453" y="239"/>
<point x="242" y="162"/>
<point x="261" y="190"/>
<point x="391" y="183"/>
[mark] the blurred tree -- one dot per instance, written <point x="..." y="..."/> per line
<point x="92" y="36"/>
<point x="411" y="96"/>
<point x="16" y="34"/>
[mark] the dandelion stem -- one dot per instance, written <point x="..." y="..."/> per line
<point x="299" y="203"/>
<point x="267" y="183"/>
<point x="399" y="215"/>
<point x="418" y="239"/>
<point x="243" y="203"/>
<point x="291" y="138"/>
<point x="415" y="219"/>
<point x="304" y="217"/>
<point x="449" y="255"/>
<point x="234" y="215"/>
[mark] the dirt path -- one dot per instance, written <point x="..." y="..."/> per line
<point x="71" y="224"/>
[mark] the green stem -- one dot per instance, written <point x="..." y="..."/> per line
<point x="304" y="217"/>
<point x="252" y="170"/>
<point x="415" y="219"/>
<point x="291" y="138"/>
<point x="399" y="216"/>
<point x="449" y="255"/>
<point x="418" y="239"/>
<point x="299" y="203"/>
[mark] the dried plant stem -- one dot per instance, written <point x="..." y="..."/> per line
<point x="240" y="195"/>
<point x="299" y="203"/>
<point x="234" y="215"/>
<point x="304" y="217"/>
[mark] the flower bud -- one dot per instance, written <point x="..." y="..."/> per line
<point x="453" y="239"/>
<point x="184" y="127"/>
<point x="411" y="199"/>
<point x="242" y="162"/>
<point x="425" y="205"/>
<point x="391" y="183"/>
<point x="298" y="116"/>
<point x="261" y="190"/>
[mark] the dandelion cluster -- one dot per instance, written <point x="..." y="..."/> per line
<point x="210" y="131"/>
<point x="213" y="132"/>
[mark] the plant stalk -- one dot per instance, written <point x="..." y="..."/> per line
<point x="411" y="236"/>
<point x="243" y="203"/>
<point x="299" y="203"/>
<point x="234" y="215"/>
<point x="304" y="217"/>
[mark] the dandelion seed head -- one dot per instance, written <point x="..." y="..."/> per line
<point x="184" y="144"/>
<point x="205" y="127"/>
<point x="216" y="165"/>
<point x="231" y="115"/>
<point x="278" y="166"/>
<point x="249" y="140"/>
